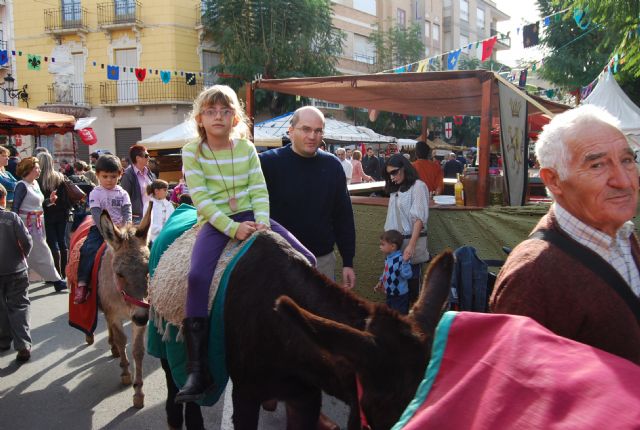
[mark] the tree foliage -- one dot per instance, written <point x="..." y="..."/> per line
<point x="272" y="38"/>
<point x="578" y="56"/>
<point x="396" y="46"/>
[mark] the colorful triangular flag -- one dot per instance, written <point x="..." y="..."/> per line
<point x="452" y="59"/>
<point x="141" y="74"/>
<point x="422" y="66"/>
<point x="190" y="78"/>
<point x="33" y="62"/>
<point x="4" y="57"/>
<point x="165" y="76"/>
<point x="113" y="73"/>
<point x="487" y="47"/>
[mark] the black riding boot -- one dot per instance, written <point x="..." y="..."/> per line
<point x="198" y="380"/>
<point x="63" y="263"/>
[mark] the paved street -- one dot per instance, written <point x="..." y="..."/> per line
<point x="70" y="385"/>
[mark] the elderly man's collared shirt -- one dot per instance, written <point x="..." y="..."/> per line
<point x="143" y="181"/>
<point x="615" y="251"/>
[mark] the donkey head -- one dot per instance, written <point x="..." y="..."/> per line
<point x="130" y="260"/>
<point x="391" y="354"/>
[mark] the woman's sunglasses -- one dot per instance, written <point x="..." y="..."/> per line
<point x="394" y="172"/>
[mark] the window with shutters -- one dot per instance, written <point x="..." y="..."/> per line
<point x="125" y="137"/>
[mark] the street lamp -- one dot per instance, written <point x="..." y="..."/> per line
<point x="9" y="90"/>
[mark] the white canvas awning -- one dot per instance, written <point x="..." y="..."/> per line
<point x="178" y="136"/>
<point x="334" y="131"/>
<point x="608" y="95"/>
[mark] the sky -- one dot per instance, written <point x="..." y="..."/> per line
<point x="521" y="12"/>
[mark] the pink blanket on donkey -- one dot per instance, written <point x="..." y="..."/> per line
<point x="509" y="372"/>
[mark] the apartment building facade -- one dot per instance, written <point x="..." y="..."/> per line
<point x="92" y="42"/>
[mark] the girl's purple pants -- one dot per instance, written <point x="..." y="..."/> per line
<point x="207" y="250"/>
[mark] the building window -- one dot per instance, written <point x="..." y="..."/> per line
<point x="464" y="10"/>
<point x="435" y="33"/>
<point x="210" y="59"/>
<point x="363" y="50"/>
<point x="401" y="18"/>
<point x="366" y="6"/>
<point x="480" y="18"/>
<point x="427" y="29"/>
<point x="464" y="40"/>
<point x="323" y="104"/>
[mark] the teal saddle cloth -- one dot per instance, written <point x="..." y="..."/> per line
<point x="166" y="346"/>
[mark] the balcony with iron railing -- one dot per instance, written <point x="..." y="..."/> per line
<point x="68" y="99"/>
<point x="68" y="19"/>
<point x="118" y="14"/>
<point x="149" y="92"/>
<point x="504" y="41"/>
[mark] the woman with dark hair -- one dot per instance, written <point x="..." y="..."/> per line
<point x="408" y="213"/>
<point x="429" y="171"/>
<point x="135" y="179"/>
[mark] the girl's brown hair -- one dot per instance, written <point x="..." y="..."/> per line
<point x="157" y="184"/>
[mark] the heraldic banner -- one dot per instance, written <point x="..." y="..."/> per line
<point x="514" y="143"/>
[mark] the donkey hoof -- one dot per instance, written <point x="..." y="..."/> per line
<point x="126" y="380"/>
<point x="89" y="339"/>
<point x="138" y="401"/>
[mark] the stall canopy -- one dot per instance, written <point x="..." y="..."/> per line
<point x="334" y="131"/>
<point x="178" y="136"/>
<point x="609" y="96"/>
<point x="427" y="94"/>
<point x="22" y="121"/>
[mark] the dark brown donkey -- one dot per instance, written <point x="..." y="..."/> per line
<point x="270" y="354"/>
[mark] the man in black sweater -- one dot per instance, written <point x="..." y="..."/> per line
<point x="308" y="194"/>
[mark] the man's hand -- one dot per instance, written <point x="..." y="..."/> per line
<point x="245" y="230"/>
<point x="378" y="287"/>
<point x="348" y="277"/>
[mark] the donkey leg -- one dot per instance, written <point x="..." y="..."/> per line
<point x="246" y="410"/>
<point x="120" y="342"/>
<point x="138" y="355"/>
<point x="114" y="350"/>
<point x="303" y="409"/>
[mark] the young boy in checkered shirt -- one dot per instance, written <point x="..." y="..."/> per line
<point x="396" y="272"/>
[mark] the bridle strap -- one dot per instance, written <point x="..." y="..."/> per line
<point x="129" y="299"/>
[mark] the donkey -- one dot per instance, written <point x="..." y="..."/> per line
<point x="123" y="280"/>
<point x="269" y="356"/>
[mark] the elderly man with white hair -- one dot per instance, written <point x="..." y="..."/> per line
<point x="341" y="153"/>
<point x="577" y="274"/>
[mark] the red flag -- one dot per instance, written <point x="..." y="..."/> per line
<point x="458" y="119"/>
<point x="487" y="47"/>
<point x="141" y="74"/>
<point x="88" y="136"/>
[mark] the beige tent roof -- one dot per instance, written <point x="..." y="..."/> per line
<point x="17" y="120"/>
<point x="427" y="94"/>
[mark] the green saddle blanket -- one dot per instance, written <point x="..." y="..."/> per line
<point x="163" y="338"/>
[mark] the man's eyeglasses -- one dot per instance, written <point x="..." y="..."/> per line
<point x="309" y="130"/>
<point x="225" y="113"/>
<point x="394" y="172"/>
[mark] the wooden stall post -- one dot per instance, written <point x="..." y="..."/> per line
<point x="485" y="143"/>
<point x="250" y="107"/>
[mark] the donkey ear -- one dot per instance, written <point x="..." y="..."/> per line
<point x="143" y="227"/>
<point x="337" y="338"/>
<point x="110" y="232"/>
<point x="435" y="291"/>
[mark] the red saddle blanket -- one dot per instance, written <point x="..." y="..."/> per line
<point x="83" y="316"/>
<point x="509" y="372"/>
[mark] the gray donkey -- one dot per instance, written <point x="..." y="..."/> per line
<point x="123" y="280"/>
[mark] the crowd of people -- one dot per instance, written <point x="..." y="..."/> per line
<point x="300" y="192"/>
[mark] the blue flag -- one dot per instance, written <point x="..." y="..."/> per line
<point x="4" y="56"/>
<point x="452" y="59"/>
<point x="165" y="76"/>
<point x="113" y="73"/>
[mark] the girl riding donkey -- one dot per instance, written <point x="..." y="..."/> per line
<point x="226" y="183"/>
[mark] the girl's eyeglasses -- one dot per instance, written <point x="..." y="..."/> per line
<point x="225" y="113"/>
